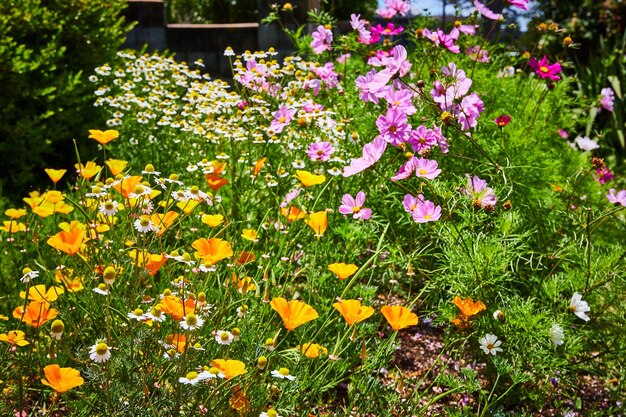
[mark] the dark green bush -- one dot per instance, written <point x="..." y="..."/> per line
<point x="47" y="51"/>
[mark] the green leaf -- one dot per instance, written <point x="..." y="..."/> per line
<point x="616" y="85"/>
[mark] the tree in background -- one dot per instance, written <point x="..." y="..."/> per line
<point x="47" y="51"/>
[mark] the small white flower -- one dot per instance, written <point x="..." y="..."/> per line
<point x="282" y="373"/>
<point x="29" y="274"/>
<point x="102" y="289"/>
<point x="108" y="208"/>
<point x="579" y="307"/>
<point x="100" y="352"/>
<point x="556" y="334"/>
<point x="145" y="225"/>
<point x="586" y="144"/>
<point x="155" y="314"/>
<point x="191" y="322"/>
<point x="192" y="378"/>
<point x="269" y="413"/>
<point x="224" y="337"/>
<point x="298" y="164"/>
<point x="137" y="314"/>
<point x="490" y="344"/>
<point x="229" y="51"/>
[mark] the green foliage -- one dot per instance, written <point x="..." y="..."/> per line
<point x="47" y="50"/>
<point x="211" y="11"/>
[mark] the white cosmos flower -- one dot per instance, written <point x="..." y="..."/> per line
<point x="556" y="334"/>
<point x="579" y="307"/>
<point x="490" y="344"/>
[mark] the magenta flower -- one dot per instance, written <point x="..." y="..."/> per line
<point x="322" y="38"/>
<point x="487" y="12"/>
<point x="422" y="139"/>
<point x="320" y="151"/>
<point x="388" y="30"/>
<point x="354" y="206"/>
<point x="421" y="167"/>
<point x="520" y="4"/>
<point x="471" y="108"/>
<point x="393" y="127"/>
<point x="481" y="195"/>
<point x="544" y="69"/>
<point x="617" y="199"/>
<point x="604" y="175"/>
<point x="440" y="38"/>
<point x="502" y="120"/>
<point x="372" y="152"/>
<point x="397" y="63"/>
<point x="426" y="211"/>
<point x="401" y="7"/>
<point x="607" y="98"/>
<point x="368" y="92"/>
<point x="282" y="117"/>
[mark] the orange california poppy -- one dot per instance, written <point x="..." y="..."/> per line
<point x="215" y="181"/>
<point x="14" y="337"/>
<point x="468" y="306"/>
<point x="342" y="270"/>
<point x="88" y="170"/>
<point x="40" y="293"/>
<point x="245" y="257"/>
<point x="229" y="368"/>
<point x="12" y="226"/>
<point x="240" y="401"/>
<point x="69" y="241"/>
<point x="399" y="317"/>
<point x="103" y="137"/>
<point x="258" y="166"/>
<point x="179" y="341"/>
<point x="55" y="174"/>
<point x="212" y="250"/>
<point x="116" y="166"/>
<point x="151" y="262"/>
<point x="318" y="222"/>
<point x="352" y="311"/>
<point x="36" y="314"/>
<point x="61" y="379"/>
<point x="294" y="313"/>
<point x="174" y="307"/>
<point x="15" y="213"/>
<point x="312" y="350"/>
<point x="293" y="213"/>
<point x="307" y="179"/>
<point x="163" y="221"/>
<point x="127" y="185"/>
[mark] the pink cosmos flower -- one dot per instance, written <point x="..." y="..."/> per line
<point x="393" y="126"/>
<point x="520" y="4"/>
<point x="401" y="7"/>
<point x="440" y="38"/>
<point x="282" y="117"/>
<point x="607" y="98"/>
<point x="322" y="38"/>
<point x="467" y="29"/>
<point x="471" y="108"/>
<point x="617" y="199"/>
<point x="563" y="133"/>
<point x="544" y="69"/>
<point x="426" y="212"/>
<point x="421" y="167"/>
<point x="368" y="92"/>
<point x="372" y="152"/>
<point x="401" y="100"/>
<point x="388" y="30"/>
<point x="386" y="13"/>
<point x="476" y="53"/>
<point x="502" y="120"/>
<point x="481" y="195"/>
<point x="410" y="203"/>
<point x="396" y="64"/>
<point x="354" y="206"/>
<point x="291" y="195"/>
<point x="422" y="139"/>
<point x="320" y="151"/>
<point x="358" y="24"/>
<point x="487" y="12"/>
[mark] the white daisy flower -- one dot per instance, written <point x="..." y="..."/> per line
<point x="490" y="344"/>
<point x="100" y="352"/>
<point x="155" y="314"/>
<point x="224" y="337"/>
<point x="192" y="378"/>
<point x="102" y="289"/>
<point x="191" y="322"/>
<point x="137" y="314"/>
<point x="108" y="208"/>
<point x="579" y="307"/>
<point x="282" y="373"/>
<point x="145" y="225"/>
<point x="28" y="274"/>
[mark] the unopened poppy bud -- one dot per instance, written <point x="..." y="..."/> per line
<point x="261" y="362"/>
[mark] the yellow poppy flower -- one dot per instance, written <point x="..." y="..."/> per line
<point x="308" y="179"/>
<point x="343" y="270"/>
<point x="103" y="137"/>
<point x="318" y="221"/>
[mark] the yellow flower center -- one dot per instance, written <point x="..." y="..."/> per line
<point x="191" y="319"/>
<point x="283" y="371"/>
<point x="224" y="336"/>
<point x="139" y="189"/>
<point x="356" y="209"/>
<point x="138" y="312"/>
<point x="101" y="348"/>
<point x="191" y="375"/>
<point x="545" y="70"/>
